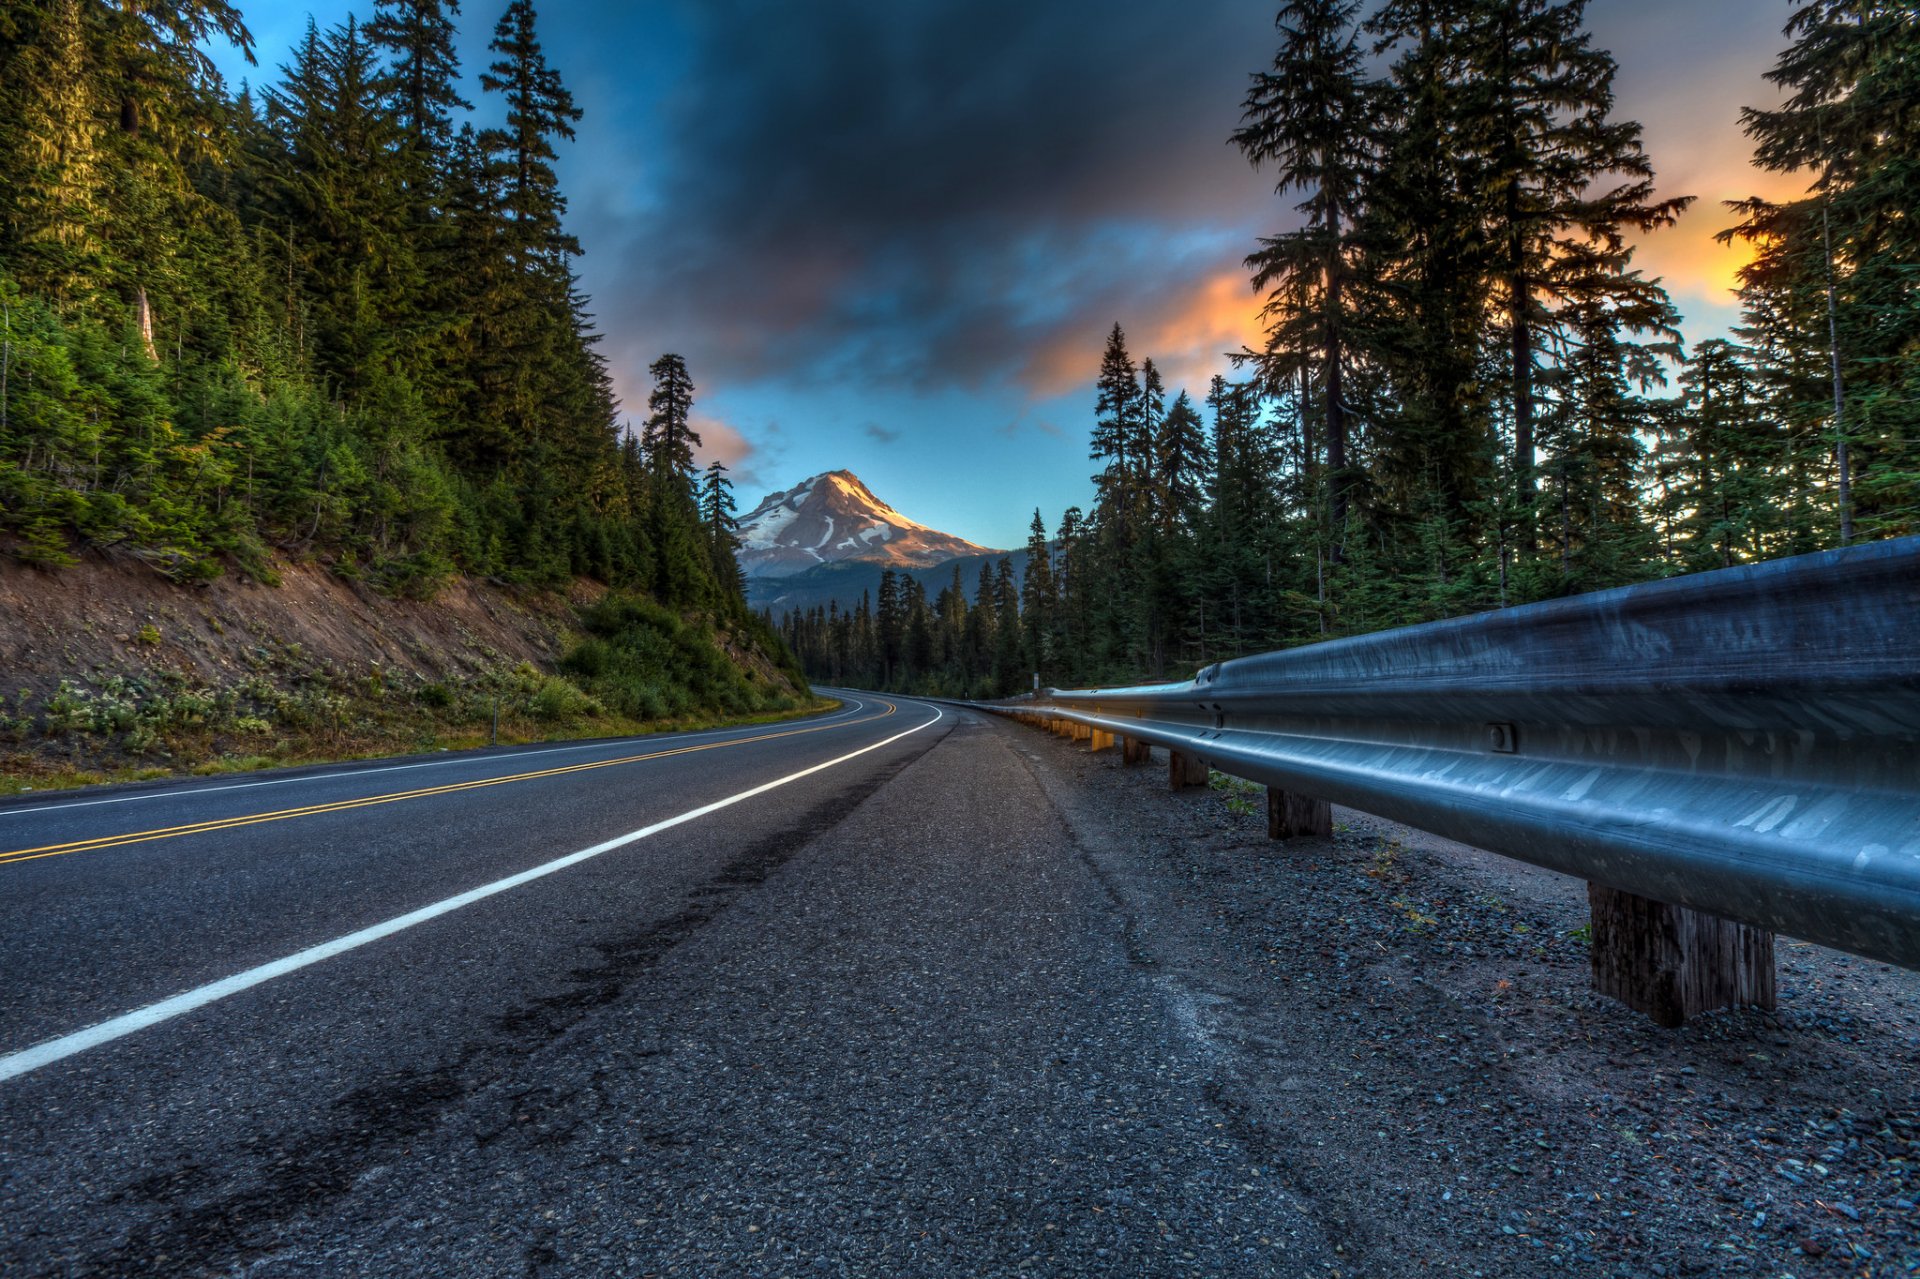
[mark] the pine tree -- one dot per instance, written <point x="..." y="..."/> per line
<point x="1037" y="600"/>
<point x="539" y="110"/>
<point x="1179" y="451"/>
<point x="717" y="514"/>
<point x="1563" y="181"/>
<point x="670" y="439"/>
<point x="1434" y="444"/>
<point x="421" y="82"/>
<point x="1836" y="268"/>
<point x="1310" y="117"/>
<point x="1116" y="433"/>
<point x="890" y="628"/>
<point x="338" y="186"/>
<point x="1731" y="488"/>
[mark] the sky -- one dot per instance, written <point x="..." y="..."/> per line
<point x="891" y="237"/>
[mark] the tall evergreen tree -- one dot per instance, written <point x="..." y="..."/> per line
<point x="1309" y="117"/>
<point x="422" y="79"/>
<point x="1179" y="453"/>
<point x="1116" y="432"/>
<point x="539" y="111"/>
<point x="723" y="530"/>
<point x="1837" y="267"/>
<point x="1564" y="182"/>
<point x="670" y="439"/>
<point x="1037" y="598"/>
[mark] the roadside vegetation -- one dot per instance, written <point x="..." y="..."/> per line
<point x="636" y="668"/>
<point x="326" y="320"/>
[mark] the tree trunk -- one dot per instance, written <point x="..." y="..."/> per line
<point x="1336" y="419"/>
<point x="1523" y="407"/>
<point x="144" y="312"/>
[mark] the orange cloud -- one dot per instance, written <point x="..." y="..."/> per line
<point x="1188" y="340"/>
<point x="1686" y="257"/>
<point x="1190" y="345"/>
<point x="720" y="442"/>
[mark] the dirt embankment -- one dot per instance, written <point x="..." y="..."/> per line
<point x="110" y="671"/>
<point x="103" y="618"/>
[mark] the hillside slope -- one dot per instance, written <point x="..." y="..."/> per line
<point x="108" y="668"/>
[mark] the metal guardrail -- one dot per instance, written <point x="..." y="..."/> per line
<point x="1743" y="742"/>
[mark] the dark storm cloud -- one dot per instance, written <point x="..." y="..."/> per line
<point x="921" y="194"/>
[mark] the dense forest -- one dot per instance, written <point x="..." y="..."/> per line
<point x="1469" y="396"/>
<point x="333" y="318"/>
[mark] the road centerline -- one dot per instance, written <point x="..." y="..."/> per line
<point x="335" y="773"/>
<point x="52" y="1050"/>
<point x="211" y="825"/>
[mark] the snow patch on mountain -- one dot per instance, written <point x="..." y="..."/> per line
<point x="831" y="517"/>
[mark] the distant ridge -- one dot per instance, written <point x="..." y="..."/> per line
<point x="845" y="581"/>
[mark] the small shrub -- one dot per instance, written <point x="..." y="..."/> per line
<point x="148" y="634"/>
<point x="557" y="699"/>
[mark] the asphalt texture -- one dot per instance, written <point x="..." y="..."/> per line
<point x="889" y="1018"/>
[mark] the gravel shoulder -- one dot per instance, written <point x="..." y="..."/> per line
<point x="1407" y="1025"/>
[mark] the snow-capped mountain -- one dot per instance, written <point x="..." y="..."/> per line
<point x="831" y="517"/>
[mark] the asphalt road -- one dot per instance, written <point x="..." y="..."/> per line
<point x="839" y="996"/>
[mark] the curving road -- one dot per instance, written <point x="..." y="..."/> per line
<point x="834" y="996"/>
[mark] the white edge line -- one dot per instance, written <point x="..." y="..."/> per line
<point x="462" y="757"/>
<point x="30" y="1059"/>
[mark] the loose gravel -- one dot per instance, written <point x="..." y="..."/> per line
<point x="1407" y="1026"/>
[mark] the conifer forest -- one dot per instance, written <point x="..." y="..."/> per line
<point x="319" y="318"/>
<point x="1470" y="397"/>
<point x="331" y="316"/>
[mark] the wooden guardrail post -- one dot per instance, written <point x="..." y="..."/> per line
<point x="1673" y="963"/>
<point x="1099" y="740"/>
<point x="1185" y="770"/>
<point x="1134" y="751"/>
<point x="1289" y="815"/>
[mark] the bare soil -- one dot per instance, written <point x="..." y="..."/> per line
<point x="107" y="616"/>
<point x="111" y="672"/>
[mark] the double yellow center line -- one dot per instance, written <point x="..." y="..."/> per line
<point x="395" y="797"/>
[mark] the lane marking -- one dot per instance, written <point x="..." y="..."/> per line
<point x="30" y="1059"/>
<point x="11" y="856"/>
<point x="457" y="757"/>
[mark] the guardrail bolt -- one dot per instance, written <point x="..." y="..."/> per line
<point x="1289" y="815"/>
<point x="1184" y="771"/>
<point x="1673" y="963"/>
<point x="1134" y="751"/>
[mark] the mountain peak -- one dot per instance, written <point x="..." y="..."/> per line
<point x="834" y="516"/>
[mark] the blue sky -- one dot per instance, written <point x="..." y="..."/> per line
<point x="892" y="237"/>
